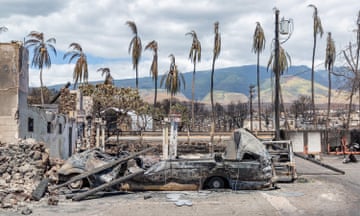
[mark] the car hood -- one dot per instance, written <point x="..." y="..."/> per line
<point x="243" y="142"/>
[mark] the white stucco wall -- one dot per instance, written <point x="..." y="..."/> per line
<point x="297" y="139"/>
<point x="58" y="140"/>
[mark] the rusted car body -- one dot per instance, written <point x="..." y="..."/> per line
<point x="283" y="159"/>
<point x="88" y="160"/>
<point x="245" y="165"/>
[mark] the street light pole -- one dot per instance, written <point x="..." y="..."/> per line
<point x="277" y="77"/>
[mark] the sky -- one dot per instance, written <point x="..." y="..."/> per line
<point x="99" y="27"/>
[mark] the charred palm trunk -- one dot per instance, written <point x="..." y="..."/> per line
<point x="193" y="97"/>
<point x="258" y="87"/>
<point x="137" y="77"/>
<point x="329" y="100"/>
<point x="41" y="87"/>
<point x="212" y="103"/>
<point x="312" y="82"/>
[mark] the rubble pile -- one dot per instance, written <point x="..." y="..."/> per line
<point x="22" y="167"/>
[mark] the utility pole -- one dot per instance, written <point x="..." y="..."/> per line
<point x="277" y="77"/>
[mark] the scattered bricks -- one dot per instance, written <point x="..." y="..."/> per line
<point x="22" y="167"/>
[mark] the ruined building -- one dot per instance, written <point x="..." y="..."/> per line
<point x="18" y="119"/>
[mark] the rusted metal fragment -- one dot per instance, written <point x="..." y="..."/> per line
<point x="101" y="168"/>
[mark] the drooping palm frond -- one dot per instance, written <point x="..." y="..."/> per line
<point x="318" y="29"/>
<point x="173" y="79"/>
<point x="135" y="48"/>
<point x="258" y="39"/>
<point x="195" y="50"/>
<point x="108" y="78"/>
<point x="217" y="41"/>
<point x="132" y="25"/>
<point x="284" y="61"/>
<point x="81" y="67"/>
<point x="154" y="70"/>
<point x="154" y="65"/>
<point x="330" y="53"/>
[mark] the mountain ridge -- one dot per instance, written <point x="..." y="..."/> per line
<point x="237" y="79"/>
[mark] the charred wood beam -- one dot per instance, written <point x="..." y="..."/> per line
<point x="101" y="168"/>
<point x="320" y="163"/>
<point x="83" y="195"/>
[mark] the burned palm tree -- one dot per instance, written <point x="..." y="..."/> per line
<point x="81" y="66"/>
<point x="278" y="63"/>
<point x="258" y="47"/>
<point x="284" y="61"/>
<point x="173" y="79"/>
<point x="41" y="53"/>
<point x="154" y="70"/>
<point x="108" y="78"/>
<point x="330" y="55"/>
<point x="216" y="53"/>
<point x="135" y="48"/>
<point x="194" y="56"/>
<point x="317" y="30"/>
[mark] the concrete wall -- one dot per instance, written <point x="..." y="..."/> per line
<point x="16" y="115"/>
<point x="306" y="141"/>
<point x="13" y="88"/>
<point x="57" y="131"/>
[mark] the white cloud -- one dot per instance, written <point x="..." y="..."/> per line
<point x="99" y="26"/>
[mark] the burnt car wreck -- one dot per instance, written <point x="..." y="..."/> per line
<point x="245" y="164"/>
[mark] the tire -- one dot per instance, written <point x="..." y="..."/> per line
<point x="216" y="183"/>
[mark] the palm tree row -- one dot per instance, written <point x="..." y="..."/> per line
<point x="173" y="78"/>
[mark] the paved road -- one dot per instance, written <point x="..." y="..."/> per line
<point x="317" y="191"/>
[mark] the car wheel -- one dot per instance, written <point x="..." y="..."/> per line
<point x="76" y="185"/>
<point x="216" y="183"/>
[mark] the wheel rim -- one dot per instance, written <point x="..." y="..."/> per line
<point x="76" y="185"/>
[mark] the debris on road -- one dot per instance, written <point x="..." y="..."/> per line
<point x="350" y="159"/>
<point x="305" y="157"/>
